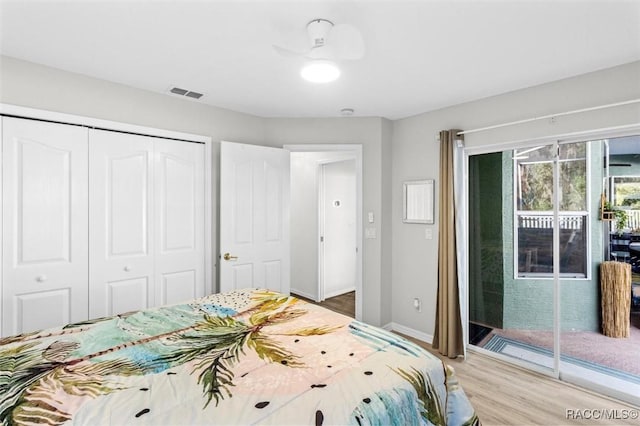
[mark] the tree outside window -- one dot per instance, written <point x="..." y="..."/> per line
<point x="534" y="209"/>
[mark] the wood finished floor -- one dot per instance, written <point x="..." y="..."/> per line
<point x="503" y="394"/>
<point x="344" y="304"/>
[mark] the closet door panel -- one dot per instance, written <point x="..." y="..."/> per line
<point x="128" y="295"/>
<point x="44" y="171"/>
<point x="179" y="201"/>
<point x="34" y="310"/>
<point x="127" y="209"/>
<point x="122" y="223"/>
<point x="42" y="203"/>
<point x="179" y="286"/>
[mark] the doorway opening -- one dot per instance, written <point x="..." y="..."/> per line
<point x="326" y="224"/>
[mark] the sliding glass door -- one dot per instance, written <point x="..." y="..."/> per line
<point x="511" y="260"/>
<point x="588" y="355"/>
<point x="536" y="243"/>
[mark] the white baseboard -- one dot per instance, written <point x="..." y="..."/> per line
<point x="303" y="294"/>
<point x="427" y="338"/>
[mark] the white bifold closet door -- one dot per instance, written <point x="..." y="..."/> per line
<point x="44" y="225"/>
<point x="179" y="225"/>
<point x="146" y="236"/>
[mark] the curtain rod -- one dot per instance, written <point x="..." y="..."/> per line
<point x="544" y="117"/>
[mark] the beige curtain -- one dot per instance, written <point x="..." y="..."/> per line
<point x="448" y="336"/>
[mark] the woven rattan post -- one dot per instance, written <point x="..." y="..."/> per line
<point x="615" y="282"/>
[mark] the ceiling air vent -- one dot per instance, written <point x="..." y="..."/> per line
<point x="179" y="91"/>
<point x="194" y="95"/>
<point x="184" y="92"/>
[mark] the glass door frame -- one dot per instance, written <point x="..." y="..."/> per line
<point x="467" y="152"/>
<point x="553" y="372"/>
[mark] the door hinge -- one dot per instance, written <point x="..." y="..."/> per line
<point x="322" y="239"/>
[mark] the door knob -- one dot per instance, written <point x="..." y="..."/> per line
<point x="227" y="256"/>
<point x="127" y="268"/>
<point x="41" y="278"/>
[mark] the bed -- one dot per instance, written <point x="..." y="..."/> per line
<point x="245" y="357"/>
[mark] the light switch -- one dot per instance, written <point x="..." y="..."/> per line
<point x="428" y="234"/>
<point x="370" y="233"/>
<point x="370" y="217"/>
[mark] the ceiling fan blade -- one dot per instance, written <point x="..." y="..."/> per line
<point x="346" y="42"/>
<point x="293" y="43"/>
<point x="322" y="52"/>
<point x="283" y="51"/>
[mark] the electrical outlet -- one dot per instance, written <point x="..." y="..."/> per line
<point x="417" y="304"/>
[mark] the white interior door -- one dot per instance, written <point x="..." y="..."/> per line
<point x="338" y="229"/>
<point x="179" y="207"/>
<point x="44" y="225"/>
<point x="122" y="223"/>
<point x="254" y="217"/>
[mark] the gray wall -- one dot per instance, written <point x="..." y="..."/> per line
<point x="36" y="86"/>
<point x="400" y="263"/>
<point x="415" y="155"/>
<point x="367" y="132"/>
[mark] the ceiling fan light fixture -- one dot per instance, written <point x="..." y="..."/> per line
<point x="320" y="71"/>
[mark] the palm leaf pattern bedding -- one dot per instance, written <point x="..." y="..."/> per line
<point x="244" y="357"/>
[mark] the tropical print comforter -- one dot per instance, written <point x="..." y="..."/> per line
<point x="245" y="357"/>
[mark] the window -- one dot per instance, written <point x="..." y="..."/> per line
<point x="533" y="174"/>
<point x="626" y="191"/>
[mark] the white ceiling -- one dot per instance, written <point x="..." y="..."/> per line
<point x="625" y="145"/>
<point x="420" y="55"/>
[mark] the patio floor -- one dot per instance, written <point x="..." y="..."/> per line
<point x="618" y="354"/>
